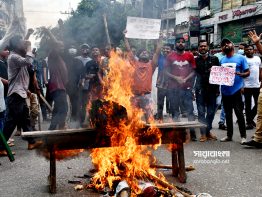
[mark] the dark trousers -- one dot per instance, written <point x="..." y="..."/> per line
<point x="251" y="112"/>
<point x="17" y="113"/>
<point x="206" y="107"/>
<point x="161" y="95"/>
<point x="74" y="99"/>
<point x="60" y="109"/>
<point x="234" y="102"/>
<point x="175" y="97"/>
<point x="85" y="99"/>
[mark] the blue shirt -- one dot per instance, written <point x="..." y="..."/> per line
<point x="241" y="65"/>
<point x="161" y="62"/>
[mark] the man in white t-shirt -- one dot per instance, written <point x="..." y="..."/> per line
<point x="251" y="86"/>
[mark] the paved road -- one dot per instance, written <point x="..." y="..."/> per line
<point x="240" y="176"/>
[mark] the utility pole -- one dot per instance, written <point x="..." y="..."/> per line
<point x="167" y="20"/>
<point x="142" y="8"/>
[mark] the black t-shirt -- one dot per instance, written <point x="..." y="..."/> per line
<point x="3" y="74"/>
<point x="31" y="71"/>
<point x="92" y="67"/>
<point x="202" y="70"/>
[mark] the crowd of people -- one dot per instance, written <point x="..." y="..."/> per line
<point x="72" y="81"/>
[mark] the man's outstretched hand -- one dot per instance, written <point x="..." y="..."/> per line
<point x="254" y="37"/>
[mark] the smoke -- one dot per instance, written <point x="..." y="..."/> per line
<point x="17" y="25"/>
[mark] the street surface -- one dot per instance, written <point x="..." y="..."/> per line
<point x="238" y="175"/>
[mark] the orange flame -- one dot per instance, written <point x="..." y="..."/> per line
<point x="125" y="160"/>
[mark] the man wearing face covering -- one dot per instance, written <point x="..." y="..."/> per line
<point x="241" y="49"/>
<point x="231" y="95"/>
<point x="144" y="69"/>
<point x="75" y="72"/>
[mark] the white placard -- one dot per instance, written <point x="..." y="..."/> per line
<point x="223" y="75"/>
<point x="143" y="28"/>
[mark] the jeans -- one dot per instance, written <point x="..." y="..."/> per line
<point x="85" y="99"/>
<point x="251" y="112"/>
<point x="2" y="119"/>
<point x="60" y="109"/>
<point x="258" y="133"/>
<point x="17" y="113"/>
<point x="175" y="96"/>
<point x="206" y="106"/>
<point x="161" y="95"/>
<point x="145" y="103"/>
<point x="222" y="113"/>
<point x="234" y="102"/>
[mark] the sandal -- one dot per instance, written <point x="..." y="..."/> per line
<point x="3" y="153"/>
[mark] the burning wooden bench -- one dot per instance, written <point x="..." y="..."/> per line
<point x="172" y="133"/>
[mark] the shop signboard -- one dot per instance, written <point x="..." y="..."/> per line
<point x="247" y="2"/>
<point x="227" y="4"/>
<point x="236" y="3"/>
<point x="194" y="23"/>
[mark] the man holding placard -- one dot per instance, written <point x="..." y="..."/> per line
<point x="231" y="94"/>
<point x="143" y="72"/>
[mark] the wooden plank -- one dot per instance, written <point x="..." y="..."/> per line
<point x="178" y="125"/>
<point x="188" y="124"/>
<point x="174" y="162"/>
<point x="52" y="176"/>
<point x="181" y="164"/>
<point x="55" y="132"/>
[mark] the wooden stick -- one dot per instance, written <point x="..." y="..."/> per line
<point x="47" y="104"/>
<point x="161" y="166"/>
<point x="106" y="29"/>
<point x="188" y="168"/>
<point x="165" y="184"/>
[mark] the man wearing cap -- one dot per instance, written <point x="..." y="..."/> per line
<point x="180" y="68"/>
<point x="231" y="95"/>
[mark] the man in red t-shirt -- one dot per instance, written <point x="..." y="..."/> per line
<point x="180" y="67"/>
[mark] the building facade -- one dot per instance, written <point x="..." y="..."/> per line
<point x="212" y="20"/>
<point x="181" y="18"/>
<point x="230" y="18"/>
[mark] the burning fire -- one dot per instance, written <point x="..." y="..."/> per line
<point x="125" y="160"/>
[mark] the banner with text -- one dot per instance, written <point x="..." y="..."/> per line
<point x="143" y="28"/>
<point x="222" y="75"/>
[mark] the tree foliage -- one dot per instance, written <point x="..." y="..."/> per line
<point x="87" y="7"/>
<point x="88" y="25"/>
